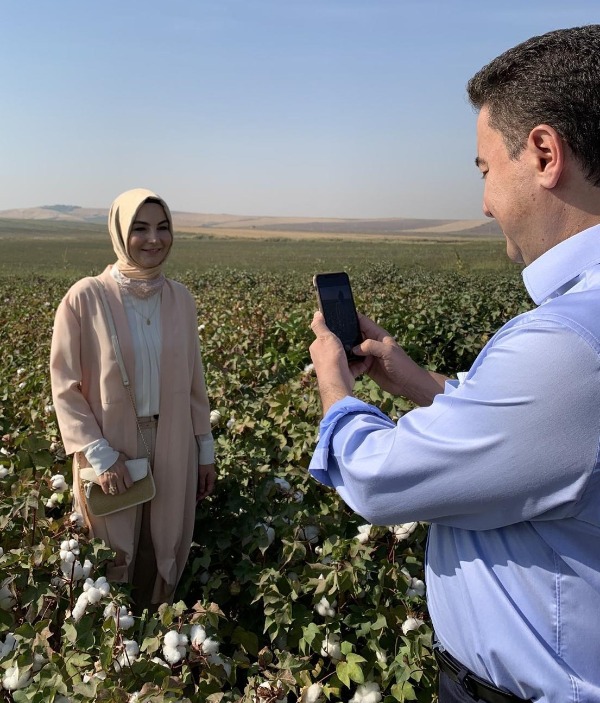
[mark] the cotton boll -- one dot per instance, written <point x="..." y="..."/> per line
<point x="94" y="595"/>
<point x="364" y="533"/>
<point x="87" y="568"/>
<point x="58" y="483"/>
<point x="298" y="496"/>
<point x="197" y="635"/>
<point x="76" y="519"/>
<point x="367" y="693"/>
<point x="158" y="660"/>
<point x="312" y="694"/>
<point x="125" y="620"/>
<point x="215" y="418"/>
<point x="171" y="639"/>
<point x="402" y="532"/>
<point x="411" y="624"/>
<point x="331" y="647"/>
<point x="210" y="646"/>
<point x="272" y="692"/>
<point x="218" y="660"/>
<point x="74" y="546"/>
<point x="325" y="608"/>
<point x="172" y="654"/>
<point x="80" y="607"/>
<point x="110" y="611"/>
<point x="283" y="485"/>
<point x="38" y="662"/>
<point x="14" y="679"/>
<point x="416" y="587"/>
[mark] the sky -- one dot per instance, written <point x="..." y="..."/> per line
<point x="308" y="108"/>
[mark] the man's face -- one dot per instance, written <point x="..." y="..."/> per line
<point x="508" y="194"/>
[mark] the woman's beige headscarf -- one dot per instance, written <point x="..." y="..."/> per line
<point x="121" y="217"/>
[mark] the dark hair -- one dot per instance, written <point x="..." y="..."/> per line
<point x="551" y="79"/>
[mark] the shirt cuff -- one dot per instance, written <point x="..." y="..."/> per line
<point x="100" y="455"/>
<point x="206" y="448"/>
<point x="339" y="410"/>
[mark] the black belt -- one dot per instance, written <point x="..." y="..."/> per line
<point x="476" y="687"/>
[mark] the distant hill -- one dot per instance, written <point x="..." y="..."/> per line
<point x="246" y="225"/>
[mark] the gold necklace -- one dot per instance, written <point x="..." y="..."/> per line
<point x="149" y="318"/>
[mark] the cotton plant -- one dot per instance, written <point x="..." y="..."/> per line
<point x="93" y="592"/>
<point x="207" y="647"/>
<point x="129" y="654"/>
<point x="367" y="693"/>
<point x="364" y="533"/>
<point x="326" y="609"/>
<point x="174" y="647"/>
<point x="122" y="617"/>
<point x="416" y="587"/>
<point x="404" y="531"/>
<point x="331" y="647"/>
<point x="312" y="694"/>
<point x="58" y="483"/>
<point x="411" y="624"/>
<point x="269" y="531"/>
<point x="15" y="678"/>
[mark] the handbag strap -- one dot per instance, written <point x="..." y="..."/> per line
<point x="117" y="349"/>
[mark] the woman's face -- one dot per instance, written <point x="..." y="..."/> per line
<point x="150" y="237"/>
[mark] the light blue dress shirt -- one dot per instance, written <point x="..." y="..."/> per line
<point x="505" y="467"/>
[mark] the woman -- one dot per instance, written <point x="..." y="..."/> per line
<point x="156" y="325"/>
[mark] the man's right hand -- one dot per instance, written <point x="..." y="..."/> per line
<point x="391" y="367"/>
<point x="116" y="479"/>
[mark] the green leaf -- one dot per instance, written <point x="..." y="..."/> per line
<point x="248" y="640"/>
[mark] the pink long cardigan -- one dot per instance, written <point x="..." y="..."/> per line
<point x="91" y="403"/>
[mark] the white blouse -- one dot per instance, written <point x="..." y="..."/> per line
<point x="143" y="316"/>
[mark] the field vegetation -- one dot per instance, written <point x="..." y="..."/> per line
<point x="287" y="595"/>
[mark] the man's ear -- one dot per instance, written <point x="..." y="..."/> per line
<point x="547" y="151"/>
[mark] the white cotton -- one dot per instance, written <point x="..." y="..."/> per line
<point x="331" y="647"/>
<point x="325" y="608"/>
<point x="230" y="423"/>
<point x="110" y="611"/>
<point x="172" y="654"/>
<point x="402" y="532"/>
<point x="210" y="646"/>
<point x="94" y="595"/>
<point x="131" y="647"/>
<point x="282" y="485"/>
<point x="13" y="679"/>
<point x="364" y="532"/>
<point x="87" y="568"/>
<point x="367" y="693"/>
<point x="80" y="607"/>
<point x="76" y="519"/>
<point x="215" y="418"/>
<point x="125" y="619"/>
<point x="58" y="483"/>
<point x="411" y="624"/>
<point x="3" y="469"/>
<point x="298" y="496"/>
<point x="171" y="639"/>
<point x="197" y="635"/>
<point x="67" y="556"/>
<point x="381" y="656"/>
<point x="416" y="587"/>
<point x="312" y="694"/>
<point x="309" y="368"/>
<point x="128" y="656"/>
<point x="74" y="546"/>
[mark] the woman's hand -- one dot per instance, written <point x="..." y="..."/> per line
<point x="116" y="479"/>
<point x="391" y="367"/>
<point x="206" y="481"/>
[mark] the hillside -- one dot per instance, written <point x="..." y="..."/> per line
<point x="65" y="220"/>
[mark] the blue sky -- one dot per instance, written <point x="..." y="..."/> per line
<point x="331" y="108"/>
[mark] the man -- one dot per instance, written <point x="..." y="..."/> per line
<point x="505" y="463"/>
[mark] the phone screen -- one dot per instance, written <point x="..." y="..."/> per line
<point x="337" y="305"/>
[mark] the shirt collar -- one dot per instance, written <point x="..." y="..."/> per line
<point x="546" y="276"/>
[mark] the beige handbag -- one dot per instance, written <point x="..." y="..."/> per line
<point x="140" y="470"/>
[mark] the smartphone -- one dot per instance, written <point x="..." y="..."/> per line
<point x="337" y="305"/>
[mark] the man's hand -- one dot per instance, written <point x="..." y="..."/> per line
<point x="333" y="373"/>
<point x="206" y="481"/>
<point x="391" y="367"/>
<point x="116" y="479"/>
